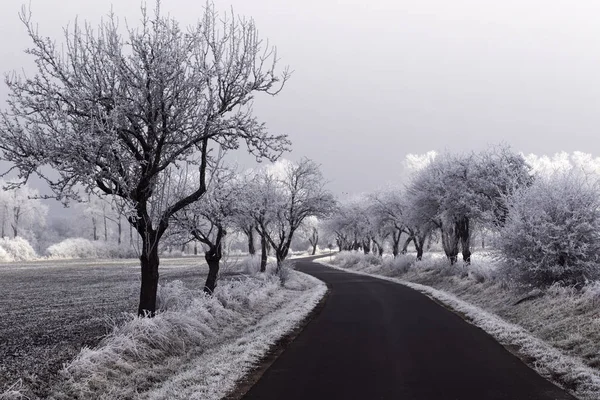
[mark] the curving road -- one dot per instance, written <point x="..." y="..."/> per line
<point x="375" y="339"/>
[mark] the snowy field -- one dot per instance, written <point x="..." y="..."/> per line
<point x="68" y="329"/>
<point x="51" y="309"/>
<point x="556" y="331"/>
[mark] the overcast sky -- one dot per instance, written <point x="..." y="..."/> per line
<point x="375" y="80"/>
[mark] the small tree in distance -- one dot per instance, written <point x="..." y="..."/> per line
<point x="284" y="199"/>
<point x="114" y="111"/>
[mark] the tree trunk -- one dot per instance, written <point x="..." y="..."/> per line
<point x="366" y="246"/>
<point x="195" y="248"/>
<point x="251" y="248"/>
<point x="314" y="250"/>
<point x="213" y="258"/>
<point x="419" y="242"/>
<point x="119" y="229"/>
<point x="95" y="228"/>
<point x="105" y="230"/>
<point x="263" y="253"/>
<point x="149" y="263"/>
<point x="465" y="238"/>
<point x="406" y="243"/>
<point x="450" y="241"/>
<point x="396" y="243"/>
<point x="4" y="210"/>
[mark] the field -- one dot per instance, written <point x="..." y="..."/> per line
<point x="51" y="309"/>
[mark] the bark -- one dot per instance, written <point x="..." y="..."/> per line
<point x="419" y="245"/>
<point x="95" y="228"/>
<point x="366" y="246"/>
<point x="15" y="225"/>
<point x="105" y="230"/>
<point x="463" y="232"/>
<point x="396" y="243"/>
<point x="406" y="243"/>
<point x="3" y="220"/>
<point x="314" y="241"/>
<point x="119" y="230"/>
<point x="213" y="259"/>
<point x="263" y="253"/>
<point x="251" y="248"/>
<point x="149" y="263"/>
<point x="450" y="241"/>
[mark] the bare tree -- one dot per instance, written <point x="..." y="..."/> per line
<point x="208" y="219"/>
<point x="113" y="109"/>
<point x="295" y="193"/>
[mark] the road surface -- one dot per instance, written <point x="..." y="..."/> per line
<point x="375" y="339"/>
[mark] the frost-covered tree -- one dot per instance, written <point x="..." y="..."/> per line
<point x="389" y="205"/>
<point x="455" y="190"/>
<point x="286" y="195"/>
<point x="208" y="220"/>
<point x="112" y="109"/>
<point x="552" y="232"/>
<point x="21" y="210"/>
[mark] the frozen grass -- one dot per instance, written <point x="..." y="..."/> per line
<point x="84" y="248"/>
<point x="213" y="374"/>
<point x="51" y="309"/>
<point x="557" y="333"/>
<point x="196" y="347"/>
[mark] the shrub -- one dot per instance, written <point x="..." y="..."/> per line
<point x="553" y="231"/>
<point x="16" y="249"/>
<point x="83" y="248"/>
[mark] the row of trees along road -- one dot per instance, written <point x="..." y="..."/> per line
<point x="444" y="199"/>
<point x="114" y="111"/>
<point x="274" y="201"/>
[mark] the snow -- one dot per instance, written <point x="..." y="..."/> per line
<point x="550" y="362"/>
<point x="197" y="346"/>
<point x="84" y="248"/>
<point x="16" y="249"/>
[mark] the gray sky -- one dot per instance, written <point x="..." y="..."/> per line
<point x="375" y="80"/>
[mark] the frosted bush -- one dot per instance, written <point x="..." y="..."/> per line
<point x="250" y="265"/>
<point x="142" y="351"/>
<point x="16" y="249"/>
<point x="84" y="248"/>
<point x="398" y="265"/>
<point x="553" y="231"/>
<point x="4" y="256"/>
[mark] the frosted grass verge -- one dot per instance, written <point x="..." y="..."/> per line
<point x="226" y="332"/>
<point x="215" y="373"/>
<point x="567" y="371"/>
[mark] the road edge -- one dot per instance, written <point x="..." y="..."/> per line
<point x="250" y="379"/>
<point x="532" y="351"/>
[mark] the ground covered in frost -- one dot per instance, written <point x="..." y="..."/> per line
<point x="556" y="330"/>
<point x="51" y="309"/>
<point x="68" y="330"/>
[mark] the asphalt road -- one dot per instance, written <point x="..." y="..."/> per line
<point x="374" y="339"/>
